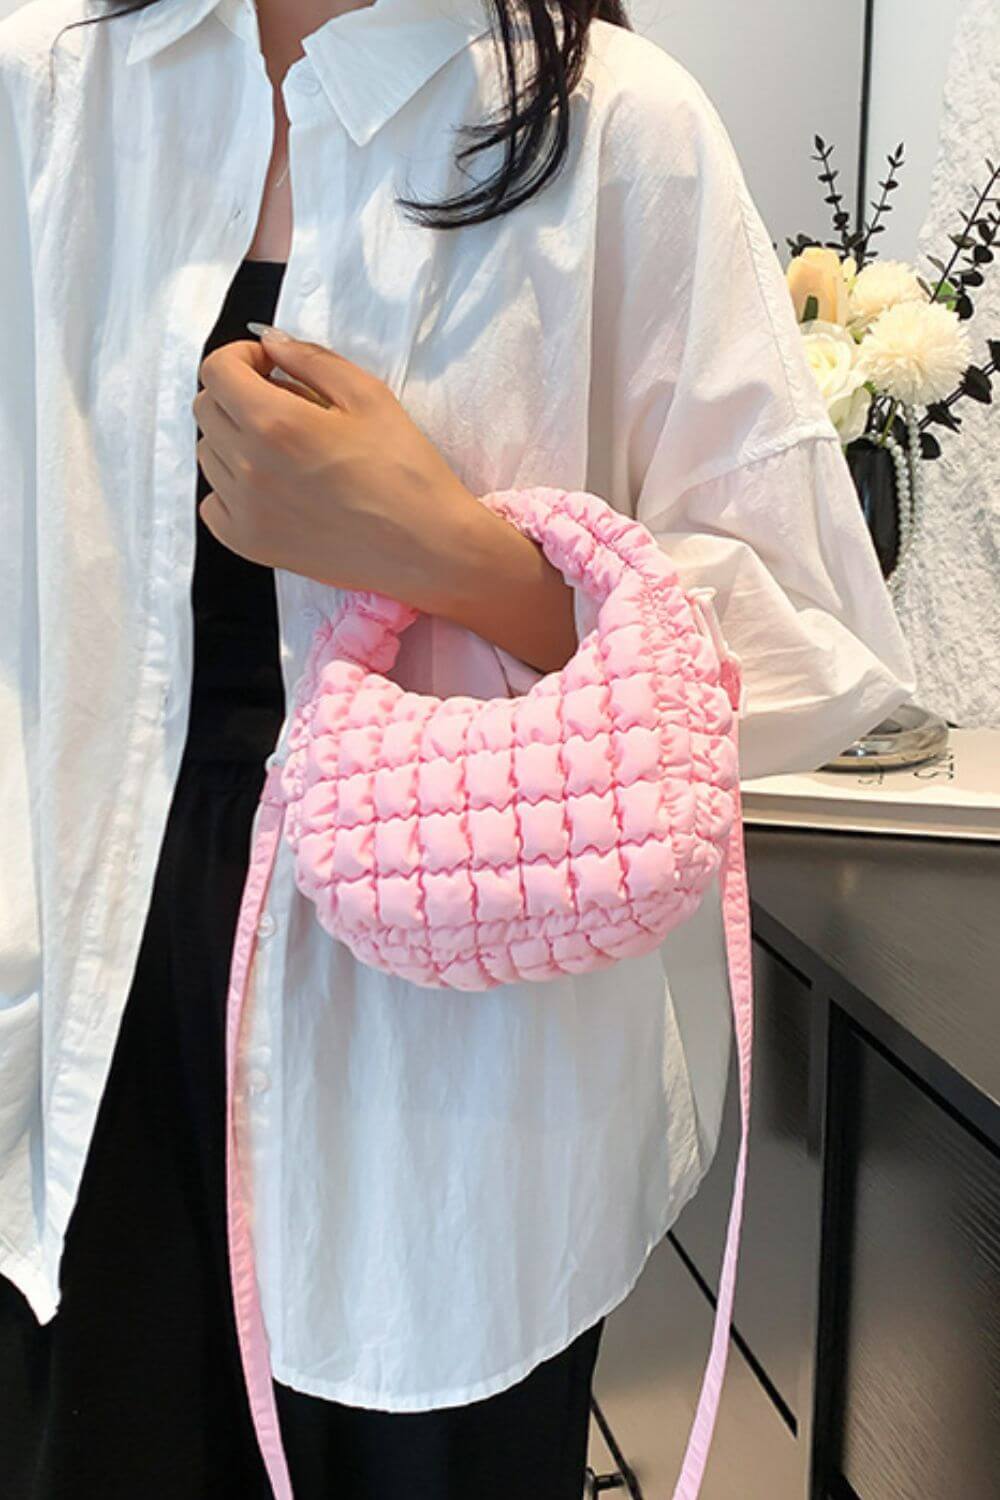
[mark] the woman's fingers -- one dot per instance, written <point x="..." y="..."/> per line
<point x="213" y="466"/>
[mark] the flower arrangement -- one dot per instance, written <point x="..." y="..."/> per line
<point x="883" y="342"/>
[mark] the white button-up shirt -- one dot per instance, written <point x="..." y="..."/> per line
<point x="446" y="1187"/>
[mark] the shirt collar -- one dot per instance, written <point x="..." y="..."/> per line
<point x="370" y="61"/>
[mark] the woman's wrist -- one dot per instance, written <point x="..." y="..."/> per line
<point x="478" y="570"/>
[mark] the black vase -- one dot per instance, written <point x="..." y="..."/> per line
<point x="874" y="473"/>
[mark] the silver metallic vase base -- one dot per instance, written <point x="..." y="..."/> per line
<point x="908" y="736"/>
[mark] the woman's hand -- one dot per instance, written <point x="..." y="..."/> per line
<point x="336" y="482"/>
<point x="345" y="489"/>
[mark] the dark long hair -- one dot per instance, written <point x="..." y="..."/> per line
<point x="535" y="126"/>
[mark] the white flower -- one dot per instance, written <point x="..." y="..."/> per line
<point x="882" y="284"/>
<point x="916" y="352"/>
<point x="833" y="356"/>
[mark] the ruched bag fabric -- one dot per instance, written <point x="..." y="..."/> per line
<point x="467" y="842"/>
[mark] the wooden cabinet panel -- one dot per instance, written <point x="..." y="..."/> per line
<point x="648" y="1375"/>
<point x="920" y="1308"/>
<point x="778" y="1252"/>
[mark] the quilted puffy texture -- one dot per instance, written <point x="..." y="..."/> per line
<point x="468" y="842"/>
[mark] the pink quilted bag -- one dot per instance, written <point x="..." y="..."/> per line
<point x="466" y="842"/>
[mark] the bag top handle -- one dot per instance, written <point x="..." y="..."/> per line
<point x="591" y="544"/>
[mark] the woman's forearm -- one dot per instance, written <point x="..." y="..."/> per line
<point x="350" y="491"/>
<point x="481" y="572"/>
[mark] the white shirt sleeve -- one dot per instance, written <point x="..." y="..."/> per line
<point x="19" y="928"/>
<point x="718" y="438"/>
<point x="707" y="425"/>
<point x="800" y="598"/>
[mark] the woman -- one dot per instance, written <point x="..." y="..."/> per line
<point x="449" y="1192"/>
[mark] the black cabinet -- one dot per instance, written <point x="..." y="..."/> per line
<point x="647" y="1380"/>
<point x="915" y="1403"/>
<point x="865" y="1354"/>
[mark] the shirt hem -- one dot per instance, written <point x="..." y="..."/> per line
<point x="350" y="1394"/>
<point x="30" y="1281"/>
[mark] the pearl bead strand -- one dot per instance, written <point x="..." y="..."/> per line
<point x="909" y="495"/>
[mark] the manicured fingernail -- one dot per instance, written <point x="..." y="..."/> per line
<point x="275" y="333"/>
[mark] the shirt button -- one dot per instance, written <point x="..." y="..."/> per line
<point x="310" y="615"/>
<point x="266" y="925"/>
<point x="238" y="212"/>
<point x="309" y="281"/>
<point x="258" y="1081"/>
<point x="305" y="81"/>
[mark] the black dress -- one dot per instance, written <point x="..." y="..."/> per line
<point x="134" y="1390"/>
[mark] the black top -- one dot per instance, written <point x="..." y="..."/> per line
<point x="237" y="693"/>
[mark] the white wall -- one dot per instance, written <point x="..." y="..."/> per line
<point x="912" y="45"/>
<point x="779" y="72"/>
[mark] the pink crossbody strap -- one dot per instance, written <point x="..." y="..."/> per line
<point x="253" y="1342"/>
<point x="254" y="1348"/>
<point x="736" y="916"/>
